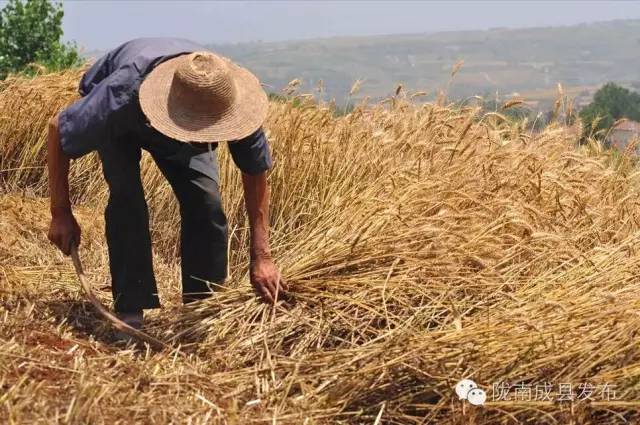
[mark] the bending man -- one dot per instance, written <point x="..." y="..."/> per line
<point x="177" y="101"/>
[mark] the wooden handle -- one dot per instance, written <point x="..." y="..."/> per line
<point x="115" y="321"/>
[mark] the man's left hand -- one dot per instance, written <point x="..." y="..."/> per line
<point x="266" y="279"/>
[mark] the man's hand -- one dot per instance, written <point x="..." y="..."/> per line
<point x="266" y="279"/>
<point x="264" y="274"/>
<point x="64" y="230"/>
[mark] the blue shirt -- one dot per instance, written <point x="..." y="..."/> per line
<point x="109" y="105"/>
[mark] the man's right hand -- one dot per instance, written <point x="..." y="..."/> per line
<point x="64" y="230"/>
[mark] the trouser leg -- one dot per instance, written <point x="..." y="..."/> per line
<point x="192" y="173"/>
<point x="127" y="229"/>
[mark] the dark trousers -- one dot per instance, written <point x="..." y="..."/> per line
<point x="192" y="172"/>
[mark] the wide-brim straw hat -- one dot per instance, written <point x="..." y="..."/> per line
<point x="203" y="97"/>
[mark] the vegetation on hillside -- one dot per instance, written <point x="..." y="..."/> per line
<point x="529" y="61"/>
<point x="610" y="103"/>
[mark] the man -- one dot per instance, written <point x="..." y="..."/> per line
<point x="176" y="100"/>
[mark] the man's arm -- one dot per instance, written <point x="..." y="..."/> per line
<point x="264" y="274"/>
<point x="64" y="230"/>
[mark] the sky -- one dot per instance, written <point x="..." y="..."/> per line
<point x="99" y="25"/>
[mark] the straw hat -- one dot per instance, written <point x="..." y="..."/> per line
<point x="203" y="97"/>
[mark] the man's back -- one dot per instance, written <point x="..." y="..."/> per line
<point x="142" y="54"/>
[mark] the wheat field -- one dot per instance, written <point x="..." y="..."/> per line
<point x="424" y="243"/>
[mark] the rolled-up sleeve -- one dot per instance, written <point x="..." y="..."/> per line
<point x="94" y="75"/>
<point x="251" y="154"/>
<point x="90" y="122"/>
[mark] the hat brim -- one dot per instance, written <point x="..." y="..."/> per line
<point x="187" y="123"/>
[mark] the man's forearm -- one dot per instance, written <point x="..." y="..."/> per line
<point x="256" y="197"/>
<point x="58" y="164"/>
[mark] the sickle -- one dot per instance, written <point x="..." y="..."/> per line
<point x="104" y="312"/>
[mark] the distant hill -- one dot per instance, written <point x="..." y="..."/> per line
<point x="528" y="61"/>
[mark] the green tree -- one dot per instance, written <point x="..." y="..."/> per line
<point x="30" y="32"/>
<point x="610" y="103"/>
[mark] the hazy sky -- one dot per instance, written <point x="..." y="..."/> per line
<point x="104" y="24"/>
